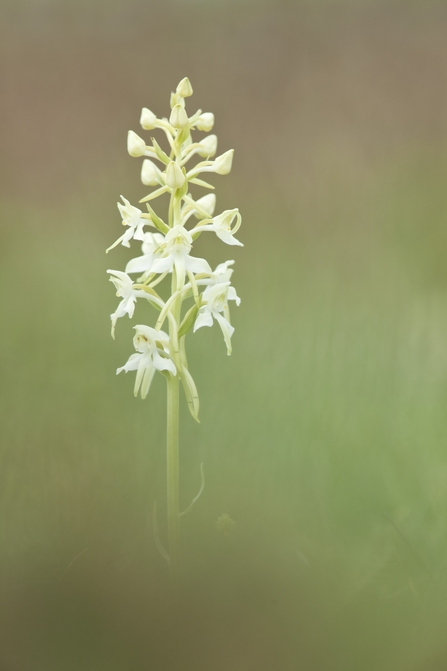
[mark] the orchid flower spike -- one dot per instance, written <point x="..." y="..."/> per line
<point x="193" y="295"/>
<point x="166" y="251"/>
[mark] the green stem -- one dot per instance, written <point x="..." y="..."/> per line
<point x="173" y="420"/>
<point x="173" y="473"/>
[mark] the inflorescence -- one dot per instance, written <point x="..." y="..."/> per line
<point x="166" y="251"/>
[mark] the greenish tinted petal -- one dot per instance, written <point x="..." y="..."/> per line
<point x="147" y="379"/>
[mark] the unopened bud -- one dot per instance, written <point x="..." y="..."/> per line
<point x="207" y="146"/>
<point x="148" y="120"/>
<point x="223" y="163"/>
<point x="150" y="174"/>
<point x="136" y="146"/>
<point x="184" y="88"/>
<point x="207" y="203"/>
<point x="178" y="118"/>
<point x="177" y="99"/>
<point x="175" y="178"/>
<point x="205" y="122"/>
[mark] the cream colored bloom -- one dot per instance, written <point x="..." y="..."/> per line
<point x="184" y="88"/>
<point x="132" y="218"/>
<point x="206" y="148"/>
<point x="152" y="248"/>
<point x="175" y="178"/>
<point x="151" y="174"/>
<point x="221" y="165"/>
<point x="205" y="122"/>
<point x="148" y="120"/>
<point x="223" y="226"/>
<point x="222" y="274"/>
<point x="136" y="146"/>
<point x="178" y="118"/>
<point x="215" y="301"/>
<point x="176" y="255"/>
<point x="204" y="206"/>
<point x="125" y="290"/>
<point x="153" y="354"/>
<point x="207" y="203"/>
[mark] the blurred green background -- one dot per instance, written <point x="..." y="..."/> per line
<point x="323" y="436"/>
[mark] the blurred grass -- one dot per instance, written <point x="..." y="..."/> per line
<point x="323" y="436"/>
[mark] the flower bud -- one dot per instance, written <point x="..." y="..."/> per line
<point x="148" y="120"/>
<point x="177" y="99"/>
<point x="175" y="178"/>
<point x="178" y="118"/>
<point x="150" y="174"/>
<point x="184" y="89"/>
<point x="223" y="163"/>
<point x="136" y="146"/>
<point x="205" y="122"/>
<point x="208" y="146"/>
<point x="207" y="203"/>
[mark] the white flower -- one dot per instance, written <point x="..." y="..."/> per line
<point x="207" y="203"/>
<point x="176" y="99"/>
<point x="151" y="248"/>
<point x="136" y="146"/>
<point x="205" y="148"/>
<point x="178" y="118"/>
<point x="153" y="354"/>
<point x="205" y="121"/>
<point x="125" y="290"/>
<point x="221" y="225"/>
<point x="184" y="88"/>
<point x="131" y="217"/>
<point x="221" y="165"/>
<point x="203" y="207"/>
<point x="175" y="178"/>
<point x="221" y="274"/>
<point x="178" y="245"/>
<point x="152" y="242"/>
<point x="215" y="298"/>
<point x="151" y="175"/>
<point x="148" y="120"/>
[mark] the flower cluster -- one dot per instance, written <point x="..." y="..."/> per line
<point x="166" y="249"/>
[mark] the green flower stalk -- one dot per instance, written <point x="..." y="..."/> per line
<point x="198" y="296"/>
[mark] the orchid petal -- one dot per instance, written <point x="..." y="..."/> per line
<point x="162" y="265"/>
<point x="226" y="328"/>
<point x="196" y="265"/>
<point x="147" y="379"/>
<point x="163" y="363"/>
<point x="131" y="364"/>
<point x="203" y="319"/>
<point x="140" y="264"/>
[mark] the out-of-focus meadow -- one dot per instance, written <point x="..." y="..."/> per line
<point x="323" y="436"/>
